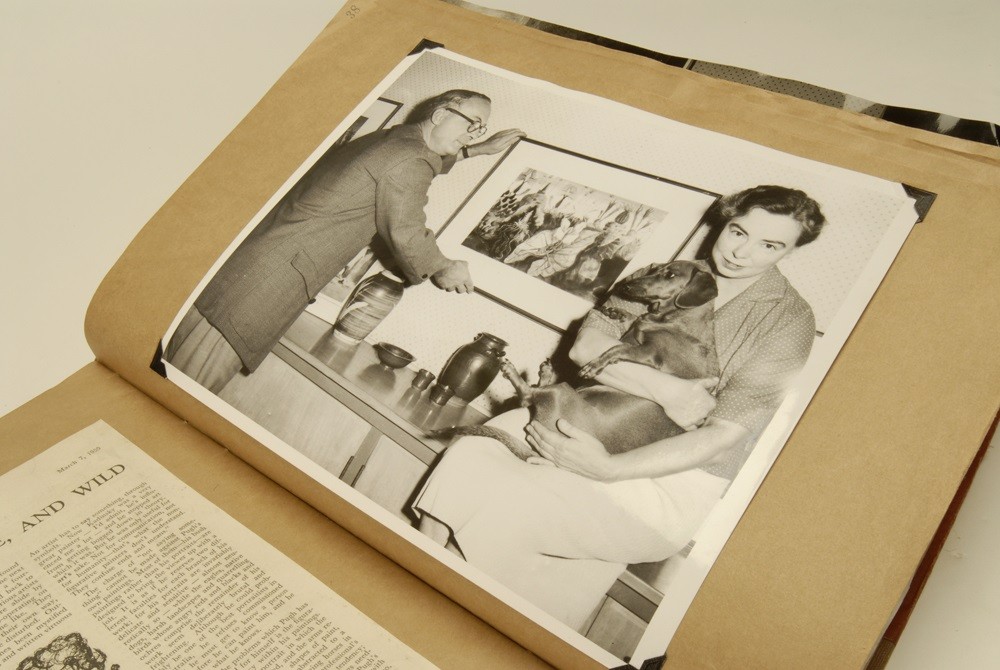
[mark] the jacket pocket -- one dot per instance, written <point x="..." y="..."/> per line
<point x="280" y="296"/>
<point x="303" y="262"/>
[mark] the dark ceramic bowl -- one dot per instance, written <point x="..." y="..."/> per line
<point x="392" y="356"/>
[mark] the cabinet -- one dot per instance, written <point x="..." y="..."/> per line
<point x="615" y="628"/>
<point x="306" y="417"/>
<point x="299" y="413"/>
<point x="366" y="425"/>
<point x="390" y="477"/>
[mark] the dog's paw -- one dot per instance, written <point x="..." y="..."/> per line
<point x="590" y="370"/>
<point x="546" y="373"/>
<point x="509" y="371"/>
<point x="613" y="313"/>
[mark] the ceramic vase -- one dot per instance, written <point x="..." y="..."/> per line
<point x="472" y="368"/>
<point x="367" y="305"/>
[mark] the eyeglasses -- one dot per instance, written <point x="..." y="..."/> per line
<point x="476" y="128"/>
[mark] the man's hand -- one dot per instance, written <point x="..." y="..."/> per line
<point x="687" y="402"/>
<point x="454" y="277"/>
<point x="496" y="143"/>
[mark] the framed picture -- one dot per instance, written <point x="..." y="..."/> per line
<point x="547" y="231"/>
<point x="374" y="118"/>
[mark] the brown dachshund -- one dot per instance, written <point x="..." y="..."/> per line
<point x="675" y="335"/>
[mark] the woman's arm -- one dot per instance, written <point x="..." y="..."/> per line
<point x="577" y="451"/>
<point x="686" y="402"/>
<point x="746" y="405"/>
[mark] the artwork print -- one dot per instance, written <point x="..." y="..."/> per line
<point x="67" y="651"/>
<point x="571" y="236"/>
<point x="547" y="231"/>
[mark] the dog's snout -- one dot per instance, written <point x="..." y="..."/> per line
<point x="655" y="282"/>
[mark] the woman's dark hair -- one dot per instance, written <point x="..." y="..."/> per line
<point x="424" y="109"/>
<point x="774" y="199"/>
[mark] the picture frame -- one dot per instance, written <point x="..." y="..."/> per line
<point x="547" y="231"/>
<point x="376" y="117"/>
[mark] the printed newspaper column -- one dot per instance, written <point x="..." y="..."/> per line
<point x="108" y="560"/>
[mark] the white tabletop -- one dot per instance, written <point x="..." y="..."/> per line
<point x="108" y="105"/>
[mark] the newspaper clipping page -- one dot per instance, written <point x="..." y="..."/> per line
<point x="108" y="561"/>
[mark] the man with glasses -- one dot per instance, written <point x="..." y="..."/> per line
<point x="372" y="189"/>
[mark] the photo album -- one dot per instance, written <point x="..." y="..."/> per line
<point x="474" y="346"/>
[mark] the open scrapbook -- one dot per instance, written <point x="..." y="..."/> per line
<point x="411" y="249"/>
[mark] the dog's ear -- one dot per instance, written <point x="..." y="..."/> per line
<point x="702" y="264"/>
<point x="700" y="289"/>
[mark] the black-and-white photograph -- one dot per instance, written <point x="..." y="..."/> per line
<point x="553" y="341"/>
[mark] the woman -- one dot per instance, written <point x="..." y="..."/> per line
<point x="560" y="536"/>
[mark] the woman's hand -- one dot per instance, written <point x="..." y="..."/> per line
<point x="686" y="401"/>
<point x="571" y="449"/>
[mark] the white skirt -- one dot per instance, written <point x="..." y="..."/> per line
<point x="556" y="538"/>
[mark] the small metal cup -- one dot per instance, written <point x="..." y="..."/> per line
<point x="423" y="379"/>
<point x="440" y="395"/>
